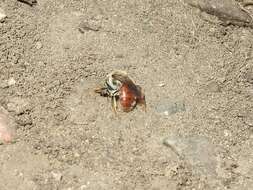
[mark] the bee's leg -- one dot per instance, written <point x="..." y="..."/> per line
<point x="102" y="91"/>
<point x="143" y="104"/>
<point x="108" y="94"/>
<point x="98" y="90"/>
<point x="114" y="104"/>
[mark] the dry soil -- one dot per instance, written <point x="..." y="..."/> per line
<point x="54" y="54"/>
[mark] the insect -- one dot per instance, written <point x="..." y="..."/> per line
<point x="121" y="89"/>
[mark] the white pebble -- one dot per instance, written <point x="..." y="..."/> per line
<point x="83" y="187"/>
<point x="2" y="14"/>
<point x="39" y="45"/>
<point x="166" y="113"/>
<point x="57" y="176"/>
<point x="227" y="133"/>
<point x="11" y="82"/>
<point x="161" y="84"/>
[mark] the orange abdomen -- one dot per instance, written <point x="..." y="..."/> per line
<point x="127" y="98"/>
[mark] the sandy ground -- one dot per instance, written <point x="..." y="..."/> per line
<point x="197" y="77"/>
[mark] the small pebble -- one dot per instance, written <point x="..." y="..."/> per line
<point x="11" y="82"/>
<point x="227" y="133"/>
<point x="88" y="26"/>
<point x="76" y="155"/>
<point x="39" y="45"/>
<point x="57" y="176"/>
<point x="2" y="15"/>
<point x="161" y="84"/>
<point x="83" y="187"/>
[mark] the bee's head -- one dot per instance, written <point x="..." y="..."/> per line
<point x="113" y="85"/>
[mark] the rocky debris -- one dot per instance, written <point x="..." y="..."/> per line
<point x="19" y="105"/>
<point x="198" y="151"/>
<point x="7" y="131"/>
<point x="29" y="2"/>
<point x="167" y="108"/>
<point x="21" y="109"/>
<point x="2" y="15"/>
<point x="89" y="25"/>
<point x="24" y="120"/>
<point x="229" y="11"/>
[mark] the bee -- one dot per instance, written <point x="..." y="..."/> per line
<point x="121" y="89"/>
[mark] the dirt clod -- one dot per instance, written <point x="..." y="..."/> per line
<point x="88" y="25"/>
<point x="19" y="105"/>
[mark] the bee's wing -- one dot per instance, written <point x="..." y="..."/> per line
<point x="122" y="77"/>
<point x="125" y="79"/>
